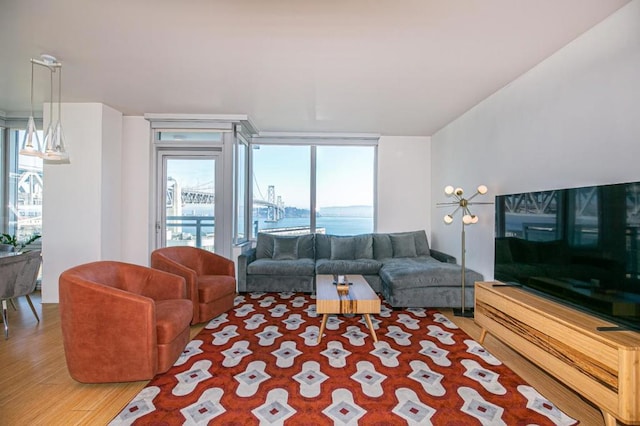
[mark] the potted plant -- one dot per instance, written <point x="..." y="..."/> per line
<point x="11" y="243"/>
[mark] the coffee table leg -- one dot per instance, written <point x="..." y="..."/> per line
<point x="367" y="317"/>
<point x="322" y="326"/>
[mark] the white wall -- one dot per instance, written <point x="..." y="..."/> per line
<point x="81" y="200"/>
<point x="111" y="183"/>
<point x="573" y="120"/>
<point x="404" y="182"/>
<point x="137" y="185"/>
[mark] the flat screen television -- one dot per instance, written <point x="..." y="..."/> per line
<point x="579" y="246"/>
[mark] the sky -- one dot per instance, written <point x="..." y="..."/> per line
<point x="345" y="174"/>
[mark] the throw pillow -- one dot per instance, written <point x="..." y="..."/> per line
<point x="363" y="246"/>
<point x="285" y="248"/>
<point x="342" y="248"/>
<point x="264" y="246"/>
<point x="403" y="245"/>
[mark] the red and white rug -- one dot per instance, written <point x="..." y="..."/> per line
<point x="261" y="364"/>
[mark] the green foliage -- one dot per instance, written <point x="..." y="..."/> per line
<point x="13" y="240"/>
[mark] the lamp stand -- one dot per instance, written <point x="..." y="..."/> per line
<point x="462" y="204"/>
<point x="463" y="311"/>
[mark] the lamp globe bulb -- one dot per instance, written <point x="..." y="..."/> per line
<point x="482" y="189"/>
<point x="448" y="219"/>
<point x="474" y="219"/>
<point x="459" y="191"/>
<point x="448" y="190"/>
<point x="466" y="219"/>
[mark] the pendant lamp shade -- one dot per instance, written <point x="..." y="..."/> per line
<point x="31" y="142"/>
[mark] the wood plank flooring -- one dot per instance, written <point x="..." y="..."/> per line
<point x="36" y="389"/>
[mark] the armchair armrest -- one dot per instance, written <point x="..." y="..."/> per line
<point x="243" y="260"/>
<point x="160" y="285"/>
<point x="163" y="263"/>
<point x="442" y="257"/>
<point x="214" y="264"/>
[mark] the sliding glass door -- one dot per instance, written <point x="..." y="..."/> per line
<point x="189" y="182"/>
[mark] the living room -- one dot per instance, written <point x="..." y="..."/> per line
<point x="569" y="121"/>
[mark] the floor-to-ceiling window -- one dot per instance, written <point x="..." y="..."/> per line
<point x="22" y="190"/>
<point x="281" y="187"/>
<point x="345" y="177"/>
<point x="302" y="188"/>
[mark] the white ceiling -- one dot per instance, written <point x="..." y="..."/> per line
<point x="401" y="67"/>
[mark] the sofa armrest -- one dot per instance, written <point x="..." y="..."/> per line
<point x="442" y="257"/>
<point x="243" y="261"/>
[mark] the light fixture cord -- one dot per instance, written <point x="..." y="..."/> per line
<point x="50" y="97"/>
<point x="31" y="88"/>
<point x="60" y="95"/>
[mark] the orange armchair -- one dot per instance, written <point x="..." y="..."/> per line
<point x="122" y="322"/>
<point x="211" y="282"/>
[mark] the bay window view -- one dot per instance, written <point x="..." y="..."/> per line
<point x="25" y="191"/>
<point x="298" y="186"/>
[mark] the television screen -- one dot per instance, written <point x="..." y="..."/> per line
<point x="580" y="246"/>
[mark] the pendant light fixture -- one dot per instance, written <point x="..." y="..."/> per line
<point x="56" y="149"/>
<point x="53" y="149"/>
<point x="31" y="142"/>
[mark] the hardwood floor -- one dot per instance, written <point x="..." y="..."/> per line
<point x="36" y="389"/>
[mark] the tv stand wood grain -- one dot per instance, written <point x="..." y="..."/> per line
<point x="602" y="366"/>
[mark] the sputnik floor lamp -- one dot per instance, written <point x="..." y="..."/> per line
<point x="462" y="204"/>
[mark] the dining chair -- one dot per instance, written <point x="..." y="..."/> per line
<point x="19" y="272"/>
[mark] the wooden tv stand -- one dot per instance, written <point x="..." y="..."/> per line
<point x="602" y="366"/>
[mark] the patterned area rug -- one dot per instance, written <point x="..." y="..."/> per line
<point x="261" y="364"/>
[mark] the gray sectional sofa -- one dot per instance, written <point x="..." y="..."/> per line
<point x="400" y="266"/>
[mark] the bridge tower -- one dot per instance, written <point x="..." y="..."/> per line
<point x="174" y="203"/>
<point x="272" y="213"/>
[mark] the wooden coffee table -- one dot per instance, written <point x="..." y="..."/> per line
<point x="361" y="299"/>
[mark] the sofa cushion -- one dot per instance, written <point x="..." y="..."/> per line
<point x="299" y="267"/>
<point x="285" y="248"/>
<point x="403" y="245"/>
<point x="342" y="248"/>
<point x="342" y="267"/>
